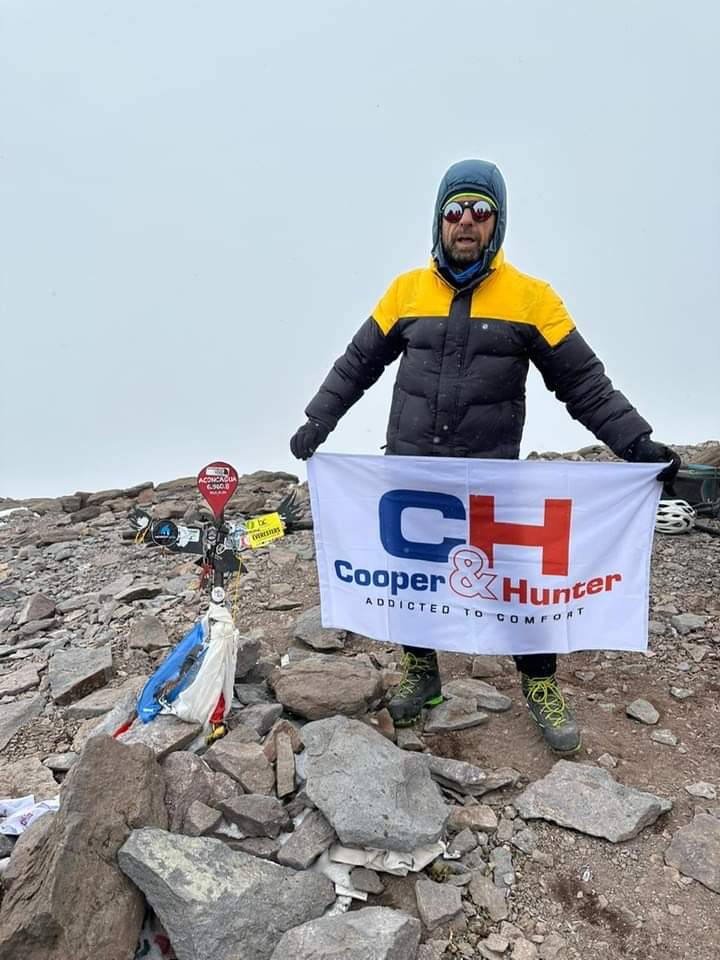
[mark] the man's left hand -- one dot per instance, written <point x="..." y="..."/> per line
<point x="645" y="450"/>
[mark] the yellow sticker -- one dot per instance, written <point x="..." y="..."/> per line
<point x="263" y="530"/>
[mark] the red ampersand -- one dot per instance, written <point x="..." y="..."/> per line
<point x="467" y="578"/>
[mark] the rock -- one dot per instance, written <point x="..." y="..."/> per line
<point x="372" y="793"/>
<point x="475" y="817"/>
<point x="264" y="847"/>
<point x="484" y="694"/>
<point x="464" y="842"/>
<point x="247" y="655"/>
<point x="245" y="906"/>
<point x="457" y="774"/>
<point x="643" y="711"/>
<point x="28" y="776"/>
<point x="121" y="713"/>
<point x="244" y="762"/>
<point x="257" y="815"/>
<point x="587" y="799"/>
<point x="14" y="716"/>
<point x="39" y="626"/>
<point x="187" y="780"/>
<point x="163" y="735"/>
<point x="685" y="623"/>
<point x="37" y="607"/>
<point x="200" y="819"/>
<point x="148" y="633"/>
<point x="495" y="943"/>
<point x="322" y="686"/>
<point x="309" y="629"/>
<point x="438" y="903"/>
<point x="680" y="693"/>
<point x="373" y="933"/>
<point x="666" y="737"/>
<point x="111" y="790"/>
<point x="607" y="760"/>
<point x="284" y="766"/>
<point x="432" y="950"/>
<point x="311" y="838"/>
<point x="523" y="950"/>
<point x="73" y="673"/>
<point x="503" y="870"/>
<point x="261" y="716"/>
<point x="525" y="840"/>
<point x="222" y="787"/>
<point x="19" y="681"/>
<point x="458" y="713"/>
<point x="486" y="667"/>
<point x="552" y="948"/>
<point x="281" y="728"/>
<point x="142" y="590"/>
<point x="488" y="897"/>
<point x="407" y="739"/>
<point x="366" y="880"/>
<point x="102" y="701"/>
<point x="702" y="790"/>
<point x="695" y="851"/>
<point x="60" y="762"/>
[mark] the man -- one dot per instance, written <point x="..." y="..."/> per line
<point x="467" y="327"/>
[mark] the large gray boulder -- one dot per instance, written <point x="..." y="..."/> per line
<point x="75" y="672"/>
<point x="65" y="896"/>
<point x="587" y="799"/>
<point x="217" y="902"/>
<point x="370" y="791"/>
<point x="373" y="933"/>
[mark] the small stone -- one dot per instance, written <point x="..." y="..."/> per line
<point x="486" y="696"/>
<point x="284" y="766"/>
<point x="309" y="630"/>
<point x="702" y="790"/>
<point x="75" y="672"/>
<point x="244" y="762"/>
<point x="455" y="714"/>
<point x="675" y="910"/>
<point x="261" y="716"/>
<point x="554" y="948"/>
<point x="643" y="711"/>
<point x="483" y="667"/>
<point x="695" y="851"/>
<point x="607" y="760"/>
<point x="37" y="607"/>
<point x="505" y="830"/>
<point x="313" y="836"/>
<point x="686" y="622"/>
<point x="525" y="840"/>
<point x="487" y="896"/>
<point x="463" y="843"/>
<point x="163" y="735"/>
<point x="284" y="728"/>
<point x="148" y="633"/>
<point x="142" y="590"/>
<point x="523" y="950"/>
<point x="680" y="693"/>
<point x="407" y="739"/>
<point x="19" y="681"/>
<point x="666" y="737"/>
<point x="503" y="871"/>
<point x="475" y="817"/>
<point x="200" y="819"/>
<point x="438" y="903"/>
<point x="60" y="762"/>
<point x="257" y="815"/>
<point x="366" y="880"/>
<point x="496" y="943"/>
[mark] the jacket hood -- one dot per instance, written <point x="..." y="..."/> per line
<point x="477" y="176"/>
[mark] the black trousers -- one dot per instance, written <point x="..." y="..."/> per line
<point x="531" y="664"/>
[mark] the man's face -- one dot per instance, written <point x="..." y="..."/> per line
<point x="465" y="241"/>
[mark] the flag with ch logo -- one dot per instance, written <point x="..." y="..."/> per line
<point x="485" y="556"/>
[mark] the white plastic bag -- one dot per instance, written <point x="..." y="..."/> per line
<point x="216" y="674"/>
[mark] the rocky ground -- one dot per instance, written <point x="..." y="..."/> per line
<point x="614" y="854"/>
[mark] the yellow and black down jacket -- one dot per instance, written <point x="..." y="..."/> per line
<point x="460" y="388"/>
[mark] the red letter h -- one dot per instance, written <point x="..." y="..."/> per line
<point x="553" y="536"/>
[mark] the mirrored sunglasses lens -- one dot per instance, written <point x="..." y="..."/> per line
<point x="453" y="212"/>
<point x="482" y="211"/>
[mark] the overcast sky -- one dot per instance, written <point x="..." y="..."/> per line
<point x="202" y="201"/>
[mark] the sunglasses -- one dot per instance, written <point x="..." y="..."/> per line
<point x="481" y="210"/>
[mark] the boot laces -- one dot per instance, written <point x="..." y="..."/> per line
<point x="545" y="692"/>
<point x="414" y="670"/>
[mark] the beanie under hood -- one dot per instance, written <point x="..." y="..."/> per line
<point x="476" y="176"/>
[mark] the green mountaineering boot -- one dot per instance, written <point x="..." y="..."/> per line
<point x="419" y="687"/>
<point x="550" y="712"/>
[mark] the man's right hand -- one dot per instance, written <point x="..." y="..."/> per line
<point x="307" y="439"/>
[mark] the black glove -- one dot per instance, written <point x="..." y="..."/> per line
<point x="645" y="450"/>
<point x="307" y="439"/>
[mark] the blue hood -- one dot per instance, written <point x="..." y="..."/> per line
<point x="471" y="175"/>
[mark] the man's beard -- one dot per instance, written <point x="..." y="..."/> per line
<point x="459" y="259"/>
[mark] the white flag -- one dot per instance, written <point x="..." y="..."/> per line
<point x="485" y="556"/>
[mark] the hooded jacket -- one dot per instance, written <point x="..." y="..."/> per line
<point x="465" y="352"/>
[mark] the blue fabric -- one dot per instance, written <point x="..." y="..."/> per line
<point x="175" y="673"/>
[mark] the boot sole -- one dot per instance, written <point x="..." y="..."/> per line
<point x="409" y="721"/>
